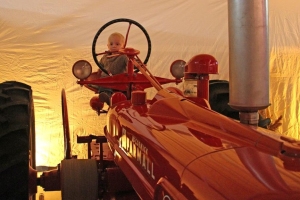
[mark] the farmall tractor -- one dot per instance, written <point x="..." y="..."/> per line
<point x="173" y="146"/>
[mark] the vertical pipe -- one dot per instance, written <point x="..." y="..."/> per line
<point x="248" y="57"/>
<point x="203" y="86"/>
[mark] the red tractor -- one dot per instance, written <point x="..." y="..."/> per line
<point x="172" y="146"/>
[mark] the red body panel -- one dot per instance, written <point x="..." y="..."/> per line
<point x="122" y="82"/>
<point x="171" y="146"/>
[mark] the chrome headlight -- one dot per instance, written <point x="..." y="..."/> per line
<point x="82" y="69"/>
<point x="177" y="69"/>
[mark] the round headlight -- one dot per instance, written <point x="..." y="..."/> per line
<point x="177" y="68"/>
<point x="82" y="69"/>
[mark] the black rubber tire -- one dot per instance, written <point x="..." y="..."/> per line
<point x="219" y="98"/>
<point x="17" y="139"/>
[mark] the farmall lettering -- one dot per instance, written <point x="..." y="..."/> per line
<point x="132" y="146"/>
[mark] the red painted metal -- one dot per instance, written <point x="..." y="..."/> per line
<point x="122" y="82"/>
<point x="202" y="64"/>
<point x="198" y="68"/>
<point x="118" y="97"/>
<point x="201" y="153"/>
<point x="177" y="147"/>
<point x="203" y="86"/>
<point x="96" y="104"/>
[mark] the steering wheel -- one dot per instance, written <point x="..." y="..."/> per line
<point x="65" y="118"/>
<point x="113" y="22"/>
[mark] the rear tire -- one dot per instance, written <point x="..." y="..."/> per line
<point x="219" y="98"/>
<point x="17" y="135"/>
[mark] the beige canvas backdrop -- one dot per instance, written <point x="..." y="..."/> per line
<point x="40" y="41"/>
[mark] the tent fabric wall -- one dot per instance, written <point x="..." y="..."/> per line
<point x="40" y="41"/>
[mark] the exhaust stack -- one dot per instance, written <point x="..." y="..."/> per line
<point x="248" y="58"/>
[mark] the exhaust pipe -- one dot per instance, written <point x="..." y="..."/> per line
<point x="248" y="58"/>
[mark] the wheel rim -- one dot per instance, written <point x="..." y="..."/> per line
<point x="65" y="118"/>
